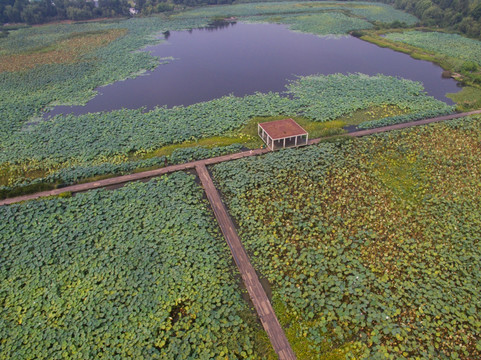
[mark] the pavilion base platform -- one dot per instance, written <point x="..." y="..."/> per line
<point x="282" y="134"/>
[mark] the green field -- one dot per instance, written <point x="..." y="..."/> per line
<point x="371" y="245"/>
<point x="139" y="272"/>
<point x="452" y="45"/>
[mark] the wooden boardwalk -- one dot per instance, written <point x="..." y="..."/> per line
<point x="256" y="292"/>
<point x="382" y="129"/>
<point x="191" y="165"/>
<point x="119" y="180"/>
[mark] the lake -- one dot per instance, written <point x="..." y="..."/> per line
<point x="242" y="59"/>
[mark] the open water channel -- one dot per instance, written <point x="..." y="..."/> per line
<point x="242" y="59"/>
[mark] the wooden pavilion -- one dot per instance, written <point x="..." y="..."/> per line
<point x="280" y="134"/>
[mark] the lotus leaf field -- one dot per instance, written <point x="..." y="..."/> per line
<point x="371" y="245"/>
<point x="67" y="142"/>
<point x="76" y="174"/>
<point x="324" y="24"/>
<point x="302" y="15"/>
<point x="452" y="45"/>
<point x="141" y="272"/>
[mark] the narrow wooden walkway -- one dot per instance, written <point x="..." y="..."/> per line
<point x="118" y="180"/>
<point x="157" y="172"/>
<point x="256" y="292"/>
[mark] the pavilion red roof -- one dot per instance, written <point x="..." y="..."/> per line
<point x="281" y="129"/>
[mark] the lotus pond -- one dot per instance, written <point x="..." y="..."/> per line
<point x="139" y="272"/>
<point x="228" y="75"/>
<point x="371" y="245"/>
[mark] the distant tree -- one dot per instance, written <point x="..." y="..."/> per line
<point x="476" y="13"/>
<point x="139" y="4"/>
<point x="75" y="13"/>
<point x="163" y="7"/>
<point x="114" y="7"/>
<point x="11" y="14"/>
<point x="461" y="15"/>
<point x="433" y="15"/>
<point x="33" y="14"/>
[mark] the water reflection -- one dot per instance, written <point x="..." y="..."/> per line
<point x="219" y="25"/>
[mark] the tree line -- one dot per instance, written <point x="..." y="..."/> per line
<point x="41" y="11"/>
<point x="461" y="15"/>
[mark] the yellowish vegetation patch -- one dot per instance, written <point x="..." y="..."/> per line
<point x="467" y="99"/>
<point x="297" y="332"/>
<point x="64" y="52"/>
<point x="373" y="113"/>
<point x="10" y="173"/>
<point x="210" y="142"/>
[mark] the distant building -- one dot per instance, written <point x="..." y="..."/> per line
<point x="282" y="134"/>
<point x="95" y="2"/>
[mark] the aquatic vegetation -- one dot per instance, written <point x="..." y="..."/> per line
<point x="65" y="51"/>
<point x="110" y="167"/>
<point x="453" y="45"/>
<point x="106" y="52"/>
<point x="365" y="10"/>
<point x="324" y="98"/>
<point x="139" y="272"/>
<point x="321" y="18"/>
<point x="467" y="99"/>
<point x="329" y="23"/>
<point x="91" y="139"/>
<point x="25" y="94"/>
<point x="371" y="245"/>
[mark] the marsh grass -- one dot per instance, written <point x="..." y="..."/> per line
<point x="297" y="333"/>
<point x="468" y="98"/>
<point x="28" y="189"/>
<point x="211" y="142"/>
<point x="455" y="65"/>
<point x="372" y="113"/>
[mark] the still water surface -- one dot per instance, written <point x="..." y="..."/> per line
<point x="241" y="59"/>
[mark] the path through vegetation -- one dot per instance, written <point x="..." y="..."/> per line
<point x="118" y="180"/>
